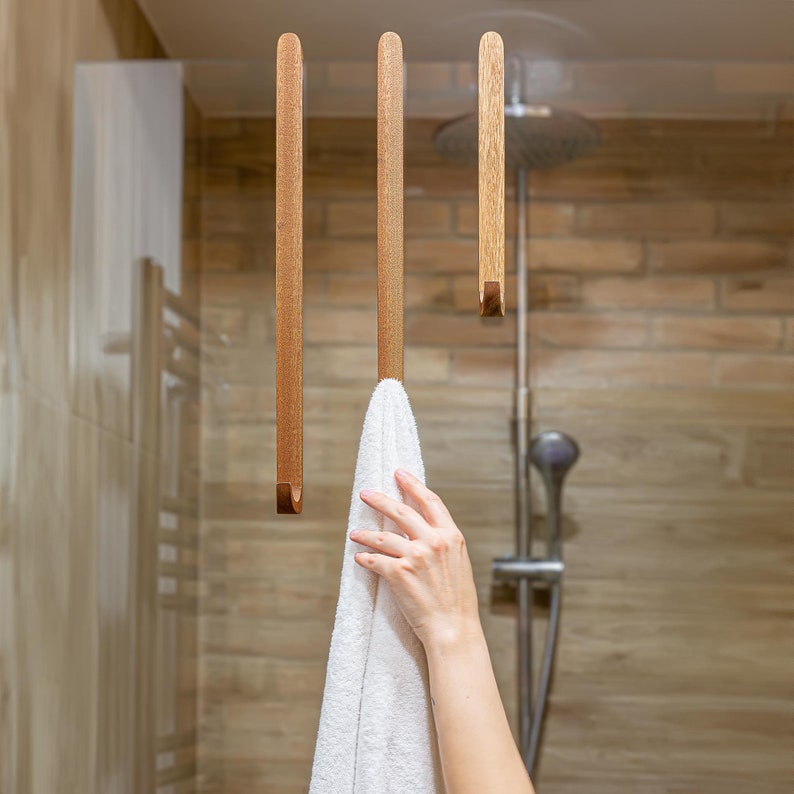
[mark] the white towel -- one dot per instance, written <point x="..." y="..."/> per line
<point x="376" y="732"/>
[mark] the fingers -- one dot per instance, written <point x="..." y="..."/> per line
<point x="404" y="516"/>
<point x="385" y="542"/>
<point x="379" y="563"/>
<point x="433" y="509"/>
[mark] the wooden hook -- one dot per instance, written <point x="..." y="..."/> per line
<point x="289" y="275"/>
<point x="391" y="329"/>
<point x="491" y="174"/>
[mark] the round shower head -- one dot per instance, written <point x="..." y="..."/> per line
<point x="553" y="453"/>
<point x="536" y="137"/>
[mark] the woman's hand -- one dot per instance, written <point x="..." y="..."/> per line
<point x="429" y="572"/>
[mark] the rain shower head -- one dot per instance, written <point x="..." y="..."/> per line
<point x="536" y="137"/>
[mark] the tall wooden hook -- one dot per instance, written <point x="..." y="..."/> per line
<point x="289" y="275"/>
<point x="391" y="330"/>
<point x="491" y="174"/>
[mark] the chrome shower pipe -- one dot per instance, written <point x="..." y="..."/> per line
<point x="554" y="454"/>
<point x="523" y="540"/>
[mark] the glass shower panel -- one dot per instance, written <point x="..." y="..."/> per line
<point x="658" y="290"/>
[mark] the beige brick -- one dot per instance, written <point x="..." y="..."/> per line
<point x="649" y="293"/>
<point x="717" y="333"/>
<point x="427" y="218"/>
<point x="755" y="371"/>
<point x="326" y="326"/>
<point x="772" y="294"/>
<point x="576" y="330"/>
<point x="352" y="289"/>
<point x="646" y="368"/>
<point x="360" y="363"/>
<point x="224" y="217"/>
<point x="550" y="368"/>
<point x="646" y="220"/>
<point x="570" y="184"/>
<point x="427" y="365"/>
<point x="313" y="218"/>
<point x="349" y="75"/>
<point x="757" y="218"/>
<point x="458" y="330"/>
<point x="314" y="289"/>
<point x="359" y="218"/>
<point x="441" y="256"/>
<point x="550" y="291"/>
<point x="590" y="256"/>
<point x="545" y="219"/>
<point x="788" y="335"/>
<point x="428" y="292"/>
<point x="237" y="288"/>
<point x="430" y="181"/>
<point x="352" y="219"/>
<point x="346" y="363"/>
<point x="715" y="257"/>
<point x="428" y="77"/>
<point x="484" y="367"/>
<point x="226" y="255"/>
<point x="342" y="256"/>
<point x="360" y="290"/>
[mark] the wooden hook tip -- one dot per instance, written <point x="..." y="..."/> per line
<point x="492" y="38"/>
<point x="492" y="302"/>
<point x="289" y="498"/>
<point x="289" y="45"/>
<point x="390" y="38"/>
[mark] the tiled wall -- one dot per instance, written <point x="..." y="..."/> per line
<point x="659" y="271"/>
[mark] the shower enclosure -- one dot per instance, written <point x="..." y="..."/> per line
<point x="614" y="268"/>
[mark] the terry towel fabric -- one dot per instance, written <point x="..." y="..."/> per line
<point x="376" y="733"/>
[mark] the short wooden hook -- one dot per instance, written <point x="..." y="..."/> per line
<point x="491" y="174"/>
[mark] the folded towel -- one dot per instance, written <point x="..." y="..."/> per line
<point x="376" y="733"/>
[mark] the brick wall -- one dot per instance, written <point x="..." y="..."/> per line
<point x="663" y="260"/>
<point x="660" y="281"/>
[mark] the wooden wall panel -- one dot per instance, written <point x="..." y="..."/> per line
<point x="66" y="692"/>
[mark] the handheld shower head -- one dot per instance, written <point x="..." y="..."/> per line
<point x="553" y="454"/>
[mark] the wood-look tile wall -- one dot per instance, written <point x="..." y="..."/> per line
<point x="66" y="470"/>
<point x="659" y="271"/>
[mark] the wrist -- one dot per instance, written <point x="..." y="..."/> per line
<point x="447" y="640"/>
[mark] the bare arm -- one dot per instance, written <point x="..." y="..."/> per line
<point x="430" y="576"/>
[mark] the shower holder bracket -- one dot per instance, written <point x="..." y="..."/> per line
<point x="534" y="569"/>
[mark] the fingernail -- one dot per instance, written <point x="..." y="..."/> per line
<point x="401" y="473"/>
<point x="353" y="533"/>
<point x="366" y="493"/>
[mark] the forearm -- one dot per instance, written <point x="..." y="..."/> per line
<point x="478" y="753"/>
